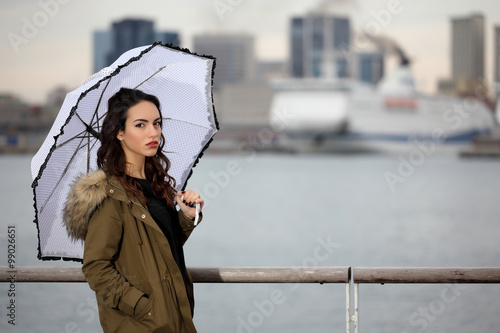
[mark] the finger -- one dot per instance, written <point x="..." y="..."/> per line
<point x="181" y="198"/>
<point x="188" y="202"/>
<point x="184" y="202"/>
<point x="192" y="197"/>
<point x="199" y="201"/>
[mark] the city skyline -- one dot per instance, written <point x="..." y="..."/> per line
<point x="49" y="42"/>
<point x="126" y="34"/>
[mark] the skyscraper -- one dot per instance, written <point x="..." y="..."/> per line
<point x="125" y="35"/>
<point x="130" y="33"/>
<point x="297" y="47"/>
<point x="102" y="47"/>
<point x="235" y="56"/>
<point x="496" y="74"/>
<point x="467" y="46"/>
<point x="317" y="46"/>
<point x="496" y="54"/>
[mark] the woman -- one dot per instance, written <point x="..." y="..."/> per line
<point x="133" y="257"/>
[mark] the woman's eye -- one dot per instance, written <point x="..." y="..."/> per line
<point x="139" y="125"/>
<point x="158" y="123"/>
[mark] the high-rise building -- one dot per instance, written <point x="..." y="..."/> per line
<point x="297" y="47"/>
<point x="467" y="57"/>
<point x="467" y="47"/>
<point x="102" y="47"/>
<point x="318" y="45"/>
<point x="235" y="56"/>
<point x="130" y="33"/>
<point x="496" y="54"/>
<point x="496" y="75"/>
<point x="125" y="35"/>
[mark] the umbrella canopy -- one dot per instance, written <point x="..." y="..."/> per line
<point x="181" y="80"/>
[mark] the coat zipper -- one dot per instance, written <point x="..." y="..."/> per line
<point x="138" y="235"/>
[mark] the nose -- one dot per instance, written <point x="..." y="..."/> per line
<point x="152" y="131"/>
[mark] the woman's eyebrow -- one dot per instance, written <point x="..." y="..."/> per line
<point x="145" y="120"/>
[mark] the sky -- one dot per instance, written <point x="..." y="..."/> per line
<point x="48" y="43"/>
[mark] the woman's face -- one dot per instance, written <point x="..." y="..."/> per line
<point x="142" y="133"/>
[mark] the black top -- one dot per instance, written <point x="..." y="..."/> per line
<point x="168" y="220"/>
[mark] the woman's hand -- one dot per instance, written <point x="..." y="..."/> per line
<point x="187" y="201"/>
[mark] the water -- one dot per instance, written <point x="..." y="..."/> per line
<point x="269" y="210"/>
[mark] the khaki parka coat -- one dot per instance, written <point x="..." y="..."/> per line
<point x="127" y="256"/>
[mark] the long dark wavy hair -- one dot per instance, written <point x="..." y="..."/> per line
<point x="111" y="157"/>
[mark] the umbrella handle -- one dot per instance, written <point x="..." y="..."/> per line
<point x="197" y="214"/>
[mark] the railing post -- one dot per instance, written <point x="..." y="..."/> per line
<point x="356" y="307"/>
<point x="348" y="306"/>
<point x="349" y="316"/>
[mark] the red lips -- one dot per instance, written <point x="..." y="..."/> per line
<point x="152" y="144"/>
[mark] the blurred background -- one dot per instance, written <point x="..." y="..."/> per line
<point x="305" y="71"/>
<point x="371" y="126"/>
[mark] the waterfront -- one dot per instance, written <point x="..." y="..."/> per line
<point x="302" y="210"/>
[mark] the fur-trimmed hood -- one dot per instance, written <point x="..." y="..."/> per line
<point x="85" y="196"/>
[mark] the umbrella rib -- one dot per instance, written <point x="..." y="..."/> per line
<point x="90" y="145"/>
<point x="188" y="122"/>
<point x="100" y="99"/>
<point x="162" y="68"/>
<point x="88" y="127"/>
<point x="61" y="177"/>
<point x="88" y="153"/>
<point x="159" y="70"/>
<point x="80" y="135"/>
<point x="76" y="136"/>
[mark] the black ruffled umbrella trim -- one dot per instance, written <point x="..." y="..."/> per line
<point x="72" y="113"/>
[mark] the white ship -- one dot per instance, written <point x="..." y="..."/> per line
<point x="309" y="108"/>
<point x="352" y="116"/>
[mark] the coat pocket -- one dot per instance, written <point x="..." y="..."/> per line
<point x="146" y="312"/>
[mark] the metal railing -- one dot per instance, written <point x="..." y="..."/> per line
<point x="436" y="275"/>
<point x="199" y="274"/>
<point x="347" y="275"/>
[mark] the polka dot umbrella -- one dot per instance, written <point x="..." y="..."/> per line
<point x="181" y="80"/>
